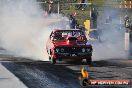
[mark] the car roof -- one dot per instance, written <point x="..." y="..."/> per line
<point x="65" y="30"/>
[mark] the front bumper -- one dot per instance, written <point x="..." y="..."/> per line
<point x="73" y="56"/>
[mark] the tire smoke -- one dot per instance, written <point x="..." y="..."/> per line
<point x="111" y="35"/>
<point x="24" y="29"/>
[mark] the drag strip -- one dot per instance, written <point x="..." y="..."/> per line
<point x="40" y="74"/>
<point x="43" y="75"/>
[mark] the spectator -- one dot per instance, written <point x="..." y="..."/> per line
<point x="50" y="2"/>
<point x="73" y="22"/>
<point x="82" y="6"/>
<point x="127" y="21"/>
<point x="94" y="15"/>
<point x="128" y="24"/>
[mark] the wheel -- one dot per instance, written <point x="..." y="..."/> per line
<point x="53" y="60"/>
<point x="89" y="61"/>
<point x="60" y="60"/>
<point x="49" y="58"/>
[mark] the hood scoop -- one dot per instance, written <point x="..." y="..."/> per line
<point x="71" y="40"/>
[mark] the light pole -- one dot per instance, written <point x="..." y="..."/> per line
<point x="58" y="6"/>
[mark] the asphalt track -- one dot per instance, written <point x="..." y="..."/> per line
<point x="40" y="74"/>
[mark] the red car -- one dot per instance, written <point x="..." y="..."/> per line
<point x="68" y="45"/>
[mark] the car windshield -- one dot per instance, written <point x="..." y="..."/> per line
<point x="61" y="35"/>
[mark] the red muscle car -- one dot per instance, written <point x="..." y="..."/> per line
<point x="68" y="45"/>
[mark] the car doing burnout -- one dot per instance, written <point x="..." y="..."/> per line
<point x="68" y="45"/>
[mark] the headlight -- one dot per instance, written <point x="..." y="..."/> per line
<point x="57" y="50"/>
<point x="62" y="50"/>
<point x="83" y="50"/>
<point x="88" y="50"/>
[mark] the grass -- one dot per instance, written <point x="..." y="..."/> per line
<point x="68" y="9"/>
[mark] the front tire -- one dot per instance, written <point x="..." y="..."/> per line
<point x="53" y="60"/>
<point x="49" y="58"/>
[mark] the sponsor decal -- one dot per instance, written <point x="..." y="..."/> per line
<point x="86" y="81"/>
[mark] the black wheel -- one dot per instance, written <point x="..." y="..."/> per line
<point x="89" y="61"/>
<point x="53" y="60"/>
<point x="49" y="58"/>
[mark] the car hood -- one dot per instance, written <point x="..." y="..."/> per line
<point x="64" y="43"/>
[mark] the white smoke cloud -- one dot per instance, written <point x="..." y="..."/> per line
<point x="24" y="29"/>
<point x="112" y="37"/>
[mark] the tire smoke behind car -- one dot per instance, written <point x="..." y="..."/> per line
<point x="24" y="29"/>
<point x="111" y="33"/>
